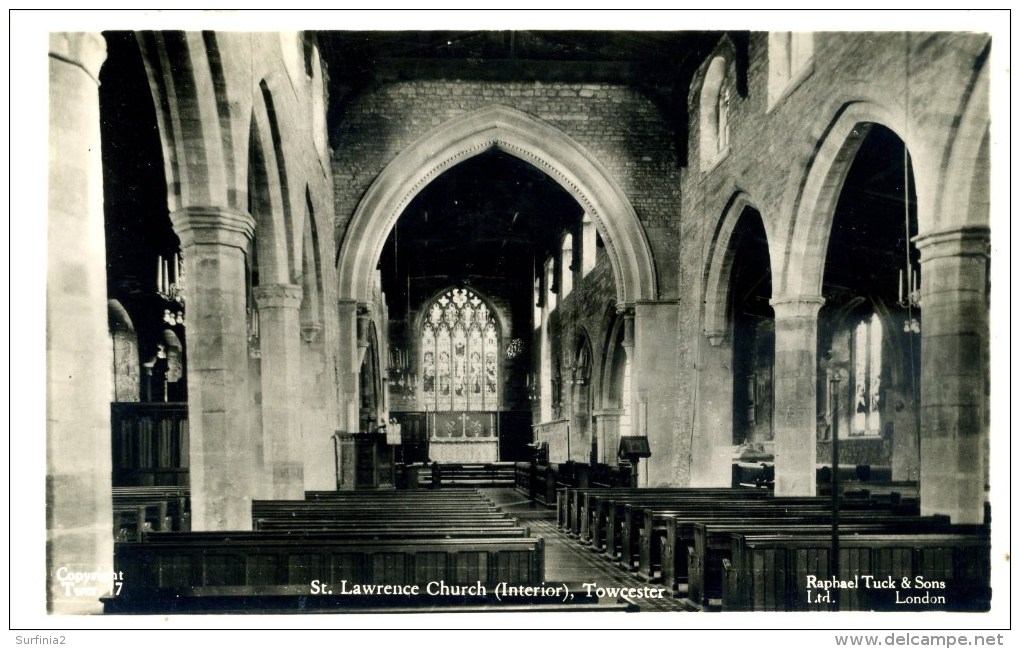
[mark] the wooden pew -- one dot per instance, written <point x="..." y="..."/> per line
<point x="704" y="545"/>
<point x="884" y="491"/>
<point x="645" y="525"/>
<point x="387" y="530"/>
<point x="245" y="600"/>
<point x="677" y="547"/>
<point x="403" y="496"/>
<point x="344" y="524"/>
<point x="600" y="511"/>
<point x="586" y="508"/>
<point x="155" y="571"/>
<point x="356" y="513"/>
<point x="162" y="508"/>
<point x="770" y="572"/>
<point x="609" y="518"/>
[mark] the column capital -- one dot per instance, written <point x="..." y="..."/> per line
<point x="715" y="338"/>
<point x="278" y="296"/>
<point x="969" y="241"/>
<point x="87" y="50"/>
<point x="310" y="331"/>
<point x="789" y="307"/>
<point x="213" y="225"/>
<point x="626" y="310"/>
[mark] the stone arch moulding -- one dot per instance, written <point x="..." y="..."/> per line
<point x="194" y="150"/>
<point x="527" y="138"/>
<point x="964" y="154"/>
<point x="269" y="214"/>
<point x="811" y="197"/>
<point x="720" y="262"/>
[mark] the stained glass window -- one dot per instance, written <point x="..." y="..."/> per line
<point x="867" y="405"/>
<point x="459" y="352"/>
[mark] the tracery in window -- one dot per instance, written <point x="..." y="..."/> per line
<point x="867" y="367"/>
<point x="459" y="352"/>
<point x="567" y="265"/>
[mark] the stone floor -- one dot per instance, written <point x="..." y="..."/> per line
<point x="568" y="561"/>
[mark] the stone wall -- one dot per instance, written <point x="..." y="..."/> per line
<point x="616" y="125"/>
<point x="785" y="160"/>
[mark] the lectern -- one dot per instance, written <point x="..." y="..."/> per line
<point x="632" y="449"/>
<point x="363" y="461"/>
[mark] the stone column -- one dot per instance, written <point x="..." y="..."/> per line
<point x="348" y="360"/>
<point x="280" y="337"/>
<point x="79" y="517"/>
<point x="316" y="428"/>
<point x="954" y="373"/>
<point x="654" y="389"/>
<point x="795" y="387"/>
<point x="713" y="436"/>
<point x="222" y="457"/>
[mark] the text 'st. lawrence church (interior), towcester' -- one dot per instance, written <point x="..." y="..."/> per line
<point x="377" y="321"/>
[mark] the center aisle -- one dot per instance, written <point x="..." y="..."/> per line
<point x="568" y="561"/>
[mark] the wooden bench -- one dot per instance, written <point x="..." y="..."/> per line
<point x="398" y="508"/>
<point x="402" y="496"/>
<point x="154" y="572"/>
<point x="885" y="491"/>
<point x="245" y="600"/>
<point x="609" y="521"/>
<point x="645" y="525"/>
<point x="139" y="509"/>
<point x="679" y="543"/>
<point x="575" y="506"/>
<point x="703" y="546"/>
<point x="770" y="572"/>
<point x="355" y="524"/>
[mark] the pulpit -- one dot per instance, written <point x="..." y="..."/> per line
<point x="363" y="461"/>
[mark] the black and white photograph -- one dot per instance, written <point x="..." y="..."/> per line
<point x="500" y="320"/>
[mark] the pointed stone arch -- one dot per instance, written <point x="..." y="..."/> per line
<point x="811" y="197"/>
<point x="720" y="263"/>
<point x="193" y="117"/>
<point x="520" y="135"/>
<point x="964" y="187"/>
<point x="267" y="200"/>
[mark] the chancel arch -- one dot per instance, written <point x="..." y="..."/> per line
<point x="520" y="135"/>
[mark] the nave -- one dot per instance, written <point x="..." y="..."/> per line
<point x="601" y="549"/>
<point x="293" y="263"/>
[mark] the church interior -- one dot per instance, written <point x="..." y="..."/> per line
<point x="481" y="307"/>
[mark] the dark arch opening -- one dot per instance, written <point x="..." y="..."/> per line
<point x="753" y="331"/>
<point x="869" y="330"/>
<point x="142" y="249"/>
<point x="487" y="224"/>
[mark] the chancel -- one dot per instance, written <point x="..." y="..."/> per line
<point x="473" y="312"/>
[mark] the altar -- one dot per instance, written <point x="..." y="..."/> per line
<point x="463" y="437"/>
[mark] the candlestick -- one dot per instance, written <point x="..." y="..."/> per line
<point x="159" y="273"/>
<point x="899" y="285"/>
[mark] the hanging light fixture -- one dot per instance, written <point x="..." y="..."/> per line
<point x="909" y="282"/>
<point x="170" y="287"/>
